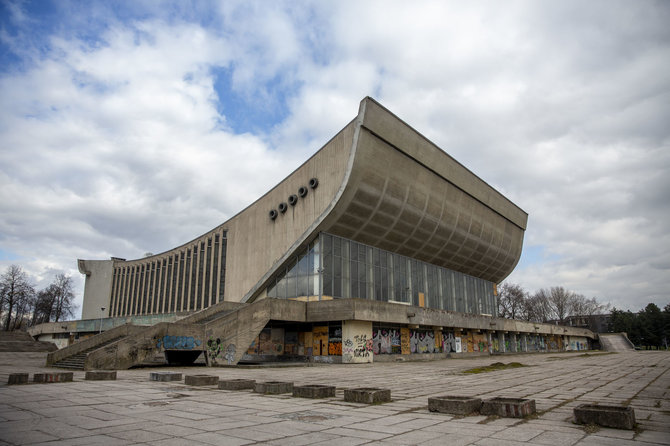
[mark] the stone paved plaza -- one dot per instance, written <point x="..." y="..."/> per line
<point x="135" y="410"/>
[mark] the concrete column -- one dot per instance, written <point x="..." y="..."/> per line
<point x="512" y="342"/>
<point x="501" y="342"/>
<point x="356" y="342"/>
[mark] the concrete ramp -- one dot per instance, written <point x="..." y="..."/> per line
<point x="615" y="342"/>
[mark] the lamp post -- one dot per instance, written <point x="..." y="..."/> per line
<point x="102" y="312"/>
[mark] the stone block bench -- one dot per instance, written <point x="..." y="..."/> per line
<point x="58" y="377"/>
<point x="165" y="376"/>
<point x="314" y="391"/>
<point x="201" y="380"/>
<point x="618" y="417"/>
<point x="237" y="384"/>
<point x="100" y="375"/>
<point x="508" y="407"/>
<point x="455" y="405"/>
<point x="273" y="387"/>
<point x="17" y="378"/>
<point x="367" y="395"/>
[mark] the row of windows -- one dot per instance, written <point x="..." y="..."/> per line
<point x="337" y="267"/>
<point x="188" y="280"/>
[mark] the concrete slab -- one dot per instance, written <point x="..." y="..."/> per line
<point x="100" y="375"/>
<point x="367" y="395"/>
<point x="236" y="384"/>
<point x="135" y="410"/>
<point x="617" y="417"/>
<point x="165" y="376"/>
<point x="314" y="391"/>
<point x="201" y="380"/>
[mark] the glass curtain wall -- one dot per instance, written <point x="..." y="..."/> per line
<point x="335" y="267"/>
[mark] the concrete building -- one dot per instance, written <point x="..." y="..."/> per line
<point x="379" y="244"/>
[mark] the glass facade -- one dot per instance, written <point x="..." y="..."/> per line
<point x="335" y="267"/>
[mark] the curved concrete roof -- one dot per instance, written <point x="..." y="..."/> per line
<point x="380" y="183"/>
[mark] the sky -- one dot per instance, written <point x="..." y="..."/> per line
<point x="129" y="127"/>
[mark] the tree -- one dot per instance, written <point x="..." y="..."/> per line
<point x="16" y="294"/>
<point x="511" y="301"/>
<point x="537" y="307"/>
<point x="63" y="298"/>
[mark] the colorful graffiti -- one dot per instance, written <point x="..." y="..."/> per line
<point x="386" y="341"/>
<point x="178" y="342"/>
<point x="213" y="348"/>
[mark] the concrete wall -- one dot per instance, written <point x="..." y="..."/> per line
<point x="97" y="287"/>
<point x="356" y="342"/>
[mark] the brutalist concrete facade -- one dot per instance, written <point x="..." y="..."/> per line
<point x="380" y="246"/>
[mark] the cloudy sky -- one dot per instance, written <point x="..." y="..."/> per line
<point x="134" y="126"/>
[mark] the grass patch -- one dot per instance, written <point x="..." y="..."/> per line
<point x="494" y="367"/>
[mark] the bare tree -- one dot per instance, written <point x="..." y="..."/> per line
<point x="511" y="301"/>
<point x="560" y="303"/>
<point x="16" y="294"/>
<point x="537" y="307"/>
<point x="63" y="298"/>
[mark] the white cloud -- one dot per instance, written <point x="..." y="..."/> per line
<point x="111" y="145"/>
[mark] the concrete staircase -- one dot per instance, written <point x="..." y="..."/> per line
<point x="77" y="361"/>
<point x="20" y="341"/>
<point x="223" y="331"/>
<point x="615" y="342"/>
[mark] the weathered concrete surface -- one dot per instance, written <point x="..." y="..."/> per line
<point x="508" y="407"/>
<point x="314" y="391"/>
<point x="615" y="342"/>
<point x="237" y="384"/>
<point x="201" y="380"/>
<point x="457" y="405"/>
<point x="138" y="347"/>
<point x="273" y="387"/>
<point x="134" y="410"/>
<point x="165" y="376"/>
<point x="86" y="344"/>
<point x="232" y="334"/>
<point x="100" y="375"/>
<point x="20" y="341"/>
<point x="17" y="378"/>
<point x="617" y="417"/>
<point x="367" y="395"/>
<point x="57" y="377"/>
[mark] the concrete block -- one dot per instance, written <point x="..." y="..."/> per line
<point x="237" y="384"/>
<point x="314" y="391"/>
<point x="100" y="375"/>
<point x="17" y="378"/>
<point x="456" y="405"/>
<point x="59" y="377"/>
<point x="367" y="395"/>
<point x="165" y="376"/>
<point x="618" y="417"/>
<point x="508" y="407"/>
<point x="273" y="387"/>
<point x="201" y="380"/>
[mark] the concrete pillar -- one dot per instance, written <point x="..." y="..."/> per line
<point x="512" y="343"/>
<point x="501" y="342"/>
<point x="356" y="342"/>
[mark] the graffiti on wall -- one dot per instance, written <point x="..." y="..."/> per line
<point x="386" y="341"/>
<point x="213" y="347"/>
<point x="335" y="340"/>
<point x="448" y="342"/>
<point x="178" y="342"/>
<point x="229" y="355"/>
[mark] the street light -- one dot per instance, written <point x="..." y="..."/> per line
<point x="102" y="312"/>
